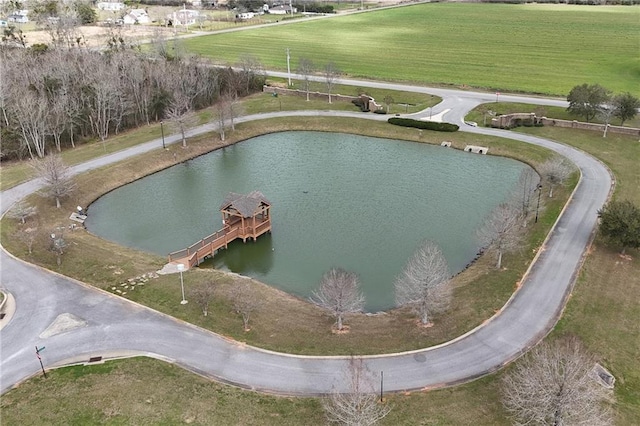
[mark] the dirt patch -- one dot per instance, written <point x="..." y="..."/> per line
<point x="96" y="36"/>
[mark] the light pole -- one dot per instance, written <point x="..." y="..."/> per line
<point x="538" y="205"/>
<point x="181" y="269"/>
<point x="289" y="65"/>
<point x="162" y="131"/>
<point x="38" y="350"/>
<point x="430" y="112"/>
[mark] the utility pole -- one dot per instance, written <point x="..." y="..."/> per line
<point x="538" y="204"/>
<point x="289" y="65"/>
<point x="162" y="131"/>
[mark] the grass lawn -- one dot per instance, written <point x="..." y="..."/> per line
<point x="463" y="44"/>
<point x="602" y="311"/>
<point x="149" y="392"/>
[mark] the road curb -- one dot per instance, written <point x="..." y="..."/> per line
<point x="7" y="307"/>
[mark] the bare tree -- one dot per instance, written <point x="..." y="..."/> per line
<point x="253" y="73"/>
<point x="388" y="100"/>
<point x="27" y="236"/>
<point x="606" y="113"/>
<point x="359" y="405"/>
<point x="339" y="293"/>
<point x="179" y="114"/>
<point x="30" y="112"/>
<point x="64" y="29"/>
<point x="555" y="172"/>
<point x="56" y="177"/>
<point x="501" y="232"/>
<point x="305" y="69"/>
<point x="423" y="284"/>
<point x="22" y="211"/>
<point x="245" y="302"/>
<point x="555" y="385"/>
<point x="528" y="185"/>
<point x="222" y="110"/>
<point x="106" y="102"/>
<point x="331" y="73"/>
<point x="203" y="295"/>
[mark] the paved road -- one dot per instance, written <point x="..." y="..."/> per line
<point x="113" y="325"/>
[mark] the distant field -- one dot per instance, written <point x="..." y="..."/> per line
<point x="531" y="48"/>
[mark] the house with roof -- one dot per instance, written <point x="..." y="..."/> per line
<point x="136" y="16"/>
<point x="245" y="15"/>
<point x="283" y="9"/>
<point x="183" y="17"/>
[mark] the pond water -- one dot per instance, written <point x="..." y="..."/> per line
<point x="360" y="203"/>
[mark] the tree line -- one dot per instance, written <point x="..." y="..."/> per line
<point x="593" y="100"/>
<point x="54" y="98"/>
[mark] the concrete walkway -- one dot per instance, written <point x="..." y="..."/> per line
<point x="106" y="325"/>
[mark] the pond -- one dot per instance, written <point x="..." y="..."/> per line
<point x="360" y="203"/>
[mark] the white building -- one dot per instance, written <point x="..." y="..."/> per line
<point x="282" y="10"/>
<point x="110" y="5"/>
<point x="245" y="15"/>
<point x="184" y="17"/>
<point x="19" y="16"/>
<point x="136" y="16"/>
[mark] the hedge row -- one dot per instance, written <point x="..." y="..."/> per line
<point x="427" y="125"/>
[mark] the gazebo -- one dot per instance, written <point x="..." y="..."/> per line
<point x="249" y="214"/>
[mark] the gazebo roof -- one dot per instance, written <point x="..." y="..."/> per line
<point x="246" y="205"/>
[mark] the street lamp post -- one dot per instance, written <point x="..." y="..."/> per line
<point x="162" y="131"/>
<point x="538" y="204"/>
<point x="288" y="65"/>
<point x="181" y="269"/>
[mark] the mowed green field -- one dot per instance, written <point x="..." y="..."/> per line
<point x="530" y="48"/>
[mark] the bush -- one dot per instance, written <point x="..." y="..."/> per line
<point x="314" y="7"/>
<point x="426" y="125"/>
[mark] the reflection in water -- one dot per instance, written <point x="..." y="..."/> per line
<point x="359" y="203"/>
<point x="251" y="258"/>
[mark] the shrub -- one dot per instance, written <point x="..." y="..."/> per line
<point x="426" y="125"/>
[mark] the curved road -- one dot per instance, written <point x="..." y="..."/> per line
<point x="113" y="326"/>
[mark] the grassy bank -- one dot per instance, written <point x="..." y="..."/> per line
<point x="480" y="290"/>
<point x="491" y="46"/>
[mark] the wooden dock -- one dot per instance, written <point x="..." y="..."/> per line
<point x="243" y="216"/>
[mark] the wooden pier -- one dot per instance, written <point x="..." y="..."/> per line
<point x="243" y="216"/>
